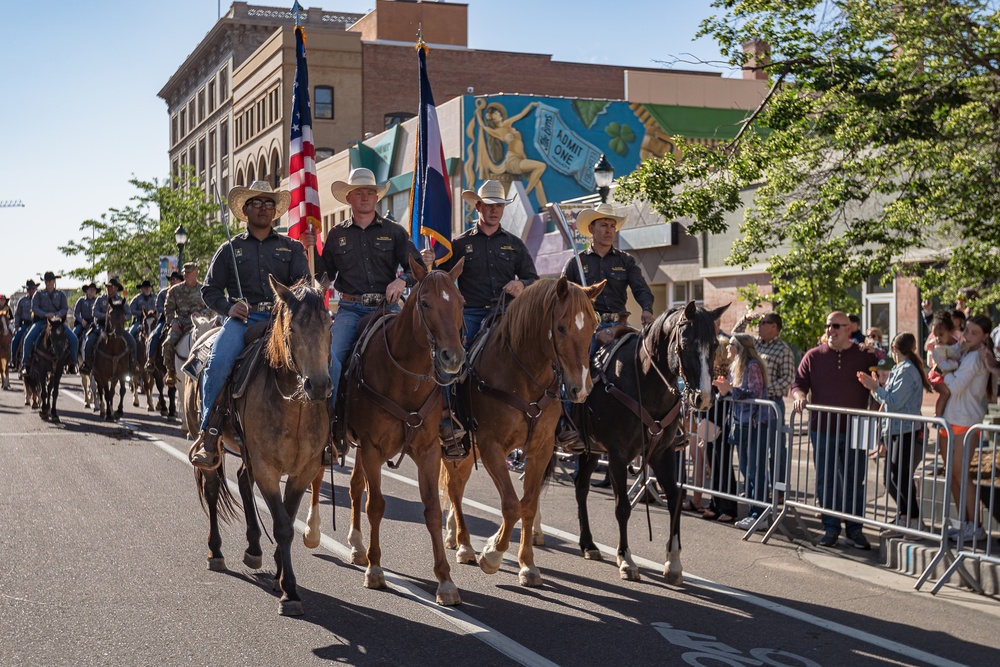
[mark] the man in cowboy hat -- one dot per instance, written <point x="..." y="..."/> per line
<point x="115" y="291"/>
<point x="174" y="278"/>
<point x="144" y="299"/>
<point x="83" y="312"/>
<point x="237" y="288"/>
<point x="22" y="320"/>
<point x="6" y="312"/>
<point x="496" y="263"/>
<point x="602" y="261"/>
<point x="47" y="303"/>
<point x="183" y="301"/>
<point x="362" y="254"/>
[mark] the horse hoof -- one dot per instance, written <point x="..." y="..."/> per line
<point x="538" y="540"/>
<point x="374" y="578"/>
<point x="529" y="576"/>
<point x="592" y="554"/>
<point x="310" y="538"/>
<point x="465" y="555"/>
<point x="54" y="418"/>
<point x="44" y="416"/>
<point x="217" y="564"/>
<point x="359" y="558"/>
<point x="450" y="541"/>
<point x="290" y="608"/>
<point x="447" y="595"/>
<point x="673" y="578"/>
<point x="629" y="573"/>
<point x="489" y="562"/>
<point x="251" y="561"/>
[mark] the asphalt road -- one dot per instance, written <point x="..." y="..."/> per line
<point x="102" y="562"/>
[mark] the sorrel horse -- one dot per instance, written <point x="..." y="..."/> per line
<point x="112" y="361"/>
<point x="50" y="356"/>
<point x="143" y="378"/>
<point x="542" y="342"/>
<point x="279" y="426"/>
<point x="394" y="406"/>
<point x="635" y="410"/>
<point x="6" y="336"/>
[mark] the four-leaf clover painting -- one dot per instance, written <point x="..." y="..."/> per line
<point x="621" y="136"/>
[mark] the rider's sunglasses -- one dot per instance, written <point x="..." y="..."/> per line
<point x="257" y="203"/>
<point x="834" y="325"/>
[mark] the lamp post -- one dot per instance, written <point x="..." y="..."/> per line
<point x="604" y="174"/>
<point x="181" y="238"/>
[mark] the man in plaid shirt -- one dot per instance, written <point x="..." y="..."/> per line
<point x="780" y="363"/>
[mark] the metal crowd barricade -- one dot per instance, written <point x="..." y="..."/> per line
<point x="734" y="461"/>
<point x="981" y="477"/>
<point x="848" y="466"/>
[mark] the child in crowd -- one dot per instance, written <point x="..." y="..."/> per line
<point x="944" y="353"/>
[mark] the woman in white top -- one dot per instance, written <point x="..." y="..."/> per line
<point x="966" y="408"/>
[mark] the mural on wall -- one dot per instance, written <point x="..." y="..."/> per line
<point x="552" y="144"/>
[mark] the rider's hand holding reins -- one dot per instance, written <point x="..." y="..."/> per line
<point x="514" y="288"/>
<point x="394" y="290"/>
<point x="239" y="310"/>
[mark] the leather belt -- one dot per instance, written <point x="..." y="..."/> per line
<point x="610" y="317"/>
<point x="262" y="307"/>
<point x="370" y="300"/>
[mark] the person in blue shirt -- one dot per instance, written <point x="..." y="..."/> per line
<point x="47" y="303"/>
<point x="22" y="321"/>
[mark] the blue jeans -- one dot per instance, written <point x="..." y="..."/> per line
<point x="751" y="441"/>
<point x="135" y="329"/>
<point x="21" y="332"/>
<point x="226" y="348"/>
<point x="37" y="329"/>
<point x="840" y="477"/>
<point x="154" y="340"/>
<point x="473" y="318"/>
<point x="343" y="335"/>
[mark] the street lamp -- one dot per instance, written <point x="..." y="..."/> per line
<point x="604" y="174"/>
<point x="181" y="238"/>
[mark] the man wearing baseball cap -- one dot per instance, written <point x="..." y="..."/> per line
<point x="174" y="278"/>
<point x="183" y="301"/>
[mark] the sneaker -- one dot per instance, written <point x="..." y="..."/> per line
<point x="746" y="523"/>
<point x="969" y="532"/>
<point x="857" y="540"/>
<point x="829" y="539"/>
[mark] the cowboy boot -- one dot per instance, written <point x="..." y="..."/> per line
<point x="170" y="379"/>
<point x="204" y="453"/>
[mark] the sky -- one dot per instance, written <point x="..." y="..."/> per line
<point x="80" y="115"/>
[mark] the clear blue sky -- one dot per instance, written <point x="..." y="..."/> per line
<point x="80" y="114"/>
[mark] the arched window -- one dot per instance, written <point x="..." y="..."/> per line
<point x="323" y="102"/>
<point x="239" y="177"/>
<point x="251" y="174"/>
<point x="275" y="169"/>
<point x="262" y="168"/>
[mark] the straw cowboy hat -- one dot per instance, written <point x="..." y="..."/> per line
<point x="599" y="212"/>
<point x="238" y="197"/>
<point x="359" y="178"/>
<point x="490" y="192"/>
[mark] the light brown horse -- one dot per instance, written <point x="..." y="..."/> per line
<point x="6" y="336"/>
<point x="542" y="342"/>
<point x="112" y="360"/>
<point x="284" y="425"/>
<point x="394" y="406"/>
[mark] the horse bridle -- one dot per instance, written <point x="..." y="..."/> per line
<point x="435" y="374"/>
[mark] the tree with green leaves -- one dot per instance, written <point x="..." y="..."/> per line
<point x="127" y="242"/>
<point x="876" y="151"/>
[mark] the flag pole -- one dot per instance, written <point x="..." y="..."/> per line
<point x="311" y="255"/>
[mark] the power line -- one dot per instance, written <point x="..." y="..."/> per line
<point x="11" y="203"/>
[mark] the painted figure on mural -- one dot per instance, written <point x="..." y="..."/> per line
<point x="500" y="148"/>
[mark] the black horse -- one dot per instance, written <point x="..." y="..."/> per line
<point x="48" y="359"/>
<point x="635" y="410"/>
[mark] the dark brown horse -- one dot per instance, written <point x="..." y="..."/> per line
<point x="279" y="426"/>
<point x="112" y="360"/>
<point x="146" y="380"/>
<point x="394" y="406"/>
<point x="50" y="356"/>
<point x="542" y="342"/>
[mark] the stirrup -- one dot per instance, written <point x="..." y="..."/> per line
<point x="327" y="456"/>
<point x="451" y="430"/>
<point x="454" y="450"/>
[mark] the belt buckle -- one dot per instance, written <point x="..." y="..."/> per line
<point x="371" y="300"/>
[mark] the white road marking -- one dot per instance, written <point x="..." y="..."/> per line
<point x="462" y="621"/>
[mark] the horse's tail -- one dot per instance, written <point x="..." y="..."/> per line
<point x="228" y="506"/>
<point x="550" y="469"/>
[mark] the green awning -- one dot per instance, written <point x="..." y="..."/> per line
<point x="697" y="122"/>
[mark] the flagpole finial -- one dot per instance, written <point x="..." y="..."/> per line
<point x="296" y="8"/>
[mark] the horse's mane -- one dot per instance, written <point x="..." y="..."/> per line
<point x="307" y="298"/>
<point x="524" y="323"/>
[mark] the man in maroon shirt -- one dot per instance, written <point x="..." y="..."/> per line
<point x="828" y="373"/>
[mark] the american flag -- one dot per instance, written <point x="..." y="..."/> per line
<point x="430" y="198"/>
<point x="304" y="209"/>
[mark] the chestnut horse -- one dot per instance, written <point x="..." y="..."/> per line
<point x="143" y="378"/>
<point x="112" y="360"/>
<point x="634" y="411"/>
<point x="542" y="342"/>
<point x="6" y="336"/>
<point x="279" y="426"/>
<point x="394" y="406"/>
<point x="48" y="358"/>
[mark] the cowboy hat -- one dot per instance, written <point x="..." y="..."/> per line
<point x="50" y="276"/>
<point x="30" y="283"/>
<point x="490" y="192"/>
<point x="117" y="283"/>
<point x="239" y="195"/>
<point x="144" y="283"/>
<point x="358" y="178"/>
<point x="89" y="285"/>
<point x="599" y="212"/>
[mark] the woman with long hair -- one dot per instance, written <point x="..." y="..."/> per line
<point x="748" y="380"/>
<point x="903" y="393"/>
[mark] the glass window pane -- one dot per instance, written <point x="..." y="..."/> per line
<point x="878" y="316"/>
<point x="680" y="293"/>
<point x="876" y="286"/>
<point x="323" y="102"/>
<point x="698" y="291"/>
